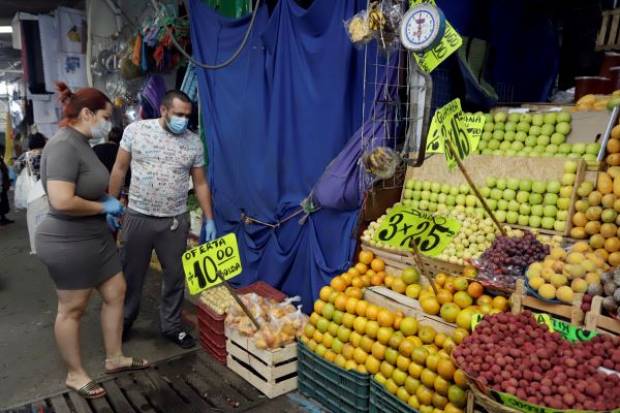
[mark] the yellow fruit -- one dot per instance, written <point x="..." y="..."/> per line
<point x="536" y="282"/>
<point x="409" y="326"/>
<point x="413" y="402"/>
<point x="461" y="283"/>
<point x="462" y="299"/>
<point x="415" y="370"/>
<point x="359" y="356"/>
<point x="427" y="334"/>
<point x="377" y="265"/>
<point x="413" y="290"/>
<point x="547" y="291"/>
<point x="440" y="401"/>
<point x="372" y="365"/>
<point x="399" y="286"/>
<point x="579" y="285"/>
<point x="425" y="396"/>
<point x="419" y="355"/>
<point x="449" y="312"/>
<point x="399" y="377"/>
<point x="402" y="394"/>
<point x="457" y="396"/>
<point x="484" y="299"/>
<point x="325" y="293"/>
<point x="372" y="311"/>
<point x="446" y="369"/>
<point x="428" y="378"/>
<point x="565" y="294"/>
<point x="366" y="257"/>
<point x="431" y="362"/>
<point x="558" y="280"/>
<point x="386" y="369"/>
<point x="403" y="362"/>
<point x="385" y="318"/>
<point x="604" y="183"/>
<point x="461" y="333"/>
<point x="430" y="305"/>
<point x="350" y="365"/>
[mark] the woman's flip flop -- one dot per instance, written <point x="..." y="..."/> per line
<point x="90" y="390"/>
<point x="135" y="365"/>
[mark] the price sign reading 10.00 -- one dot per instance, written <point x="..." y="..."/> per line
<point x="202" y="263"/>
<point x="431" y="233"/>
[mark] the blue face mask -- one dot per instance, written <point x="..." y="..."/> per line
<point x="177" y="124"/>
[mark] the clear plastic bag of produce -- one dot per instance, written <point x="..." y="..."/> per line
<point x="358" y="28"/>
<point x="384" y="20"/>
<point x="381" y="162"/>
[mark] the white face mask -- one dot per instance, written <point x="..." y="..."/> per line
<point x="100" y="131"/>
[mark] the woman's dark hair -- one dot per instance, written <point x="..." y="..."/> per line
<point x="116" y="134"/>
<point x="36" y="141"/>
<point x="73" y="103"/>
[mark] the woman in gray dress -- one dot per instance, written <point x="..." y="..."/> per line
<point x="74" y="241"/>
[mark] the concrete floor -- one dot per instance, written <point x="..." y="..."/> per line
<point x="30" y="366"/>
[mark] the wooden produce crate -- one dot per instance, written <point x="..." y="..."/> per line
<point x="482" y="166"/>
<point x="595" y="321"/>
<point x="521" y="301"/>
<point x="607" y="38"/>
<point x="273" y="372"/>
<point x="384" y="297"/>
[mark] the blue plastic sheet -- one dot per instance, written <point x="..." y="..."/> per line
<point x="274" y="120"/>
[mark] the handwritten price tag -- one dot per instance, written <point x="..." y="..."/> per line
<point x="450" y="43"/>
<point x="464" y="131"/>
<point x="202" y="263"/>
<point x="431" y="233"/>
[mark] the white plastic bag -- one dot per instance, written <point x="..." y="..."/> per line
<point x="38" y="207"/>
<point x="24" y="183"/>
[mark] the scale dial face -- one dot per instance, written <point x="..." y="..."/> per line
<point x="421" y="26"/>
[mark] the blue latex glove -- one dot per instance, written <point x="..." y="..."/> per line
<point x="210" y="230"/>
<point x="112" y="206"/>
<point x="114" y="224"/>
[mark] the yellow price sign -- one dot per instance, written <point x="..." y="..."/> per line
<point x="449" y="43"/>
<point x="202" y="263"/>
<point x="431" y="233"/>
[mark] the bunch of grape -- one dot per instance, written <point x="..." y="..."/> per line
<point x="509" y="257"/>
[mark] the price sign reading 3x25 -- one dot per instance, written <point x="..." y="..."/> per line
<point x="431" y="233"/>
<point x="202" y="263"/>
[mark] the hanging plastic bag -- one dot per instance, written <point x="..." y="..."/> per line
<point x="358" y="29"/>
<point x="38" y="207"/>
<point x="23" y="184"/>
<point x="384" y="20"/>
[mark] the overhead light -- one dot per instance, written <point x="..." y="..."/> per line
<point x="6" y="29"/>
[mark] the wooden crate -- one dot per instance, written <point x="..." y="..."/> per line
<point x="521" y="301"/>
<point x="595" y="321"/>
<point x="607" y="38"/>
<point x="273" y="372"/>
<point x="394" y="301"/>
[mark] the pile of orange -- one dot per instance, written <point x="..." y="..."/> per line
<point x="366" y="272"/>
<point x="411" y="361"/>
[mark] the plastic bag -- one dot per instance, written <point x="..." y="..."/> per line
<point x="381" y="162"/>
<point x="358" y="29"/>
<point x="38" y="207"/>
<point x="384" y="20"/>
<point x="23" y="184"/>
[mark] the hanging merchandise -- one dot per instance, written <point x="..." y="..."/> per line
<point x="8" y="141"/>
<point x="150" y="97"/>
<point x="190" y="83"/>
<point x="71" y="30"/>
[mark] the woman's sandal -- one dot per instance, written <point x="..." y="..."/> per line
<point x="136" y="364"/>
<point x="90" y="390"/>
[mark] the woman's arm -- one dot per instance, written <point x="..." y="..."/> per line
<point x="62" y="197"/>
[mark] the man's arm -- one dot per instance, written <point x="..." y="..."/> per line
<point x="202" y="191"/>
<point x="119" y="170"/>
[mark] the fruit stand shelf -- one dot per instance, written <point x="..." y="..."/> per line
<point x="394" y="301"/>
<point x="521" y="301"/>
<point x="594" y="320"/>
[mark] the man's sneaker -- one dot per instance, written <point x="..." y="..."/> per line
<point x="182" y="339"/>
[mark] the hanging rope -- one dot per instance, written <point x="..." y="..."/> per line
<point x="248" y="220"/>
<point x="224" y="64"/>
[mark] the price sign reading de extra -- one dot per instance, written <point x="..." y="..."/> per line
<point x="464" y="131"/>
<point x="202" y="263"/>
<point x="431" y="233"/>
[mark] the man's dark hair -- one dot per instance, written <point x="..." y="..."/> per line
<point x="174" y="94"/>
<point x="36" y="141"/>
<point x="116" y="134"/>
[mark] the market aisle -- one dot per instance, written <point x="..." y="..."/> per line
<point x="29" y="363"/>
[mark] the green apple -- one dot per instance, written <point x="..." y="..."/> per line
<point x="408" y="194"/>
<point x="510" y="136"/>
<point x="550" y="211"/>
<point x="423" y="205"/>
<point x="563" y="128"/>
<point x="413" y="204"/>
<point x="513" y="205"/>
<point x="425" y="195"/>
<point x="513" y="117"/>
<point x="536" y="198"/>
<point x="510" y="126"/>
<point x="501" y="216"/>
<point x="530" y="141"/>
<point x="471" y="201"/>
<point x="517" y="146"/>
<point x="486" y="136"/>
<point x="441" y="198"/>
<point x="433" y="197"/>
<point x="410" y="184"/>
<point x="559" y="226"/>
<point x="482" y="145"/>
<point x="490" y="181"/>
<point x="501" y="126"/>
<point x="492" y="204"/>
<point x="445" y="188"/>
<point x="510" y="152"/>
<point x="498" y="135"/>
<point x="588" y="157"/>
<point x="566" y="192"/>
<point x="558" y="138"/>
<point x="550" y="199"/>
<point x="501" y="184"/>
<point x="579" y="148"/>
<point x="464" y="189"/>
<point x="568" y="179"/>
<point x="504" y="146"/>
<point x="525" y="185"/>
<point x="417" y="195"/>
<point x="509" y="194"/>
<point x="485" y="191"/>
<point x="418" y="185"/>
<point x="562" y="215"/>
<point x="535" y="221"/>
<point x="525" y="117"/>
<point x="570" y="167"/>
<point x="470" y="210"/>
<point x="523" y="127"/>
<point x="543" y="140"/>
<point x="502" y="205"/>
<point x="426" y="185"/>
<point x="551" y="118"/>
<point x="454" y="190"/>
<point x="535" y="131"/>
<point x="526" y="150"/>
<point x="547" y="129"/>
<point x="488" y="118"/>
<point x="553" y="187"/>
<point x="537" y="210"/>
<point x="538" y="119"/>
<point x="523" y="197"/>
<point x="524" y="220"/>
<point x="432" y="207"/>
<point x="498" y="152"/>
<point x="487" y="151"/>
<point x="564" y="117"/>
<point x="547" y="222"/>
<point x="593" y="148"/>
<point x="564" y="148"/>
<point x="539" y="187"/>
<point x="493" y="144"/>
<point x="512" y="217"/>
<point x="460" y="199"/>
<point x="552" y="149"/>
<point x="436" y="187"/>
<point x="488" y="127"/>
<point x="496" y="194"/>
<point x="450" y="200"/>
<point x="512" y="183"/>
<point x="525" y="209"/>
<point x="500" y="117"/>
<point x="563" y="204"/>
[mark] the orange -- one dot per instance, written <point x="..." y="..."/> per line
<point x="376" y="280"/>
<point x="372" y="312"/>
<point x="365" y="280"/>
<point x="425" y="396"/>
<point x="361" y="268"/>
<point x="484" y="299"/>
<point x="430" y="305"/>
<point x="360" y="308"/>
<point x="325" y="293"/>
<point x="388" y="280"/>
<point x="462" y="299"/>
<point x="372" y="365"/>
<point x="441" y="385"/>
<point x="440" y="279"/>
<point x="415" y="370"/>
<point x="370" y="273"/>
<point x="461" y="283"/>
<point x="359" y="356"/>
<point x="406" y="348"/>
<point x="357" y="282"/>
<point x="330" y="356"/>
<point x="475" y="289"/>
<point x="366" y="257"/>
<point x="354" y="272"/>
<point x="318" y="306"/>
<point x="501" y="303"/>
<point x="382" y="274"/>
<point x="314" y="318"/>
<point x="385" y="318"/>
<point x="398" y="285"/>
<point x="446" y="369"/>
<point x="378" y="350"/>
<point x="338" y="284"/>
<point x="387" y="369"/>
<point x="333" y="295"/>
<point x="470" y="271"/>
<point x="377" y="265"/>
<point x="397" y="320"/>
<point x="460" y="379"/>
<point x="351" y="304"/>
<point x="415" y="340"/>
<point x="347" y="278"/>
<point x="354" y="292"/>
<point x="444" y="296"/>
<point x="341" y="302"/>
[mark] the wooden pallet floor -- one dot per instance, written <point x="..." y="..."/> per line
<point x="193" y="383"/>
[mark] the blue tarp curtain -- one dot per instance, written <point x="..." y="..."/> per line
<point x="274" y="120"/>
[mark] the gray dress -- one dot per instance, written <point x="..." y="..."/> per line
<point x="79" y="252"/>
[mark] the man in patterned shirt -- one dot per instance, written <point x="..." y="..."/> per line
<point x="162" y="155"/>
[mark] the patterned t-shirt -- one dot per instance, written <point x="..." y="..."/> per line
<point x="160" y="167"/>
